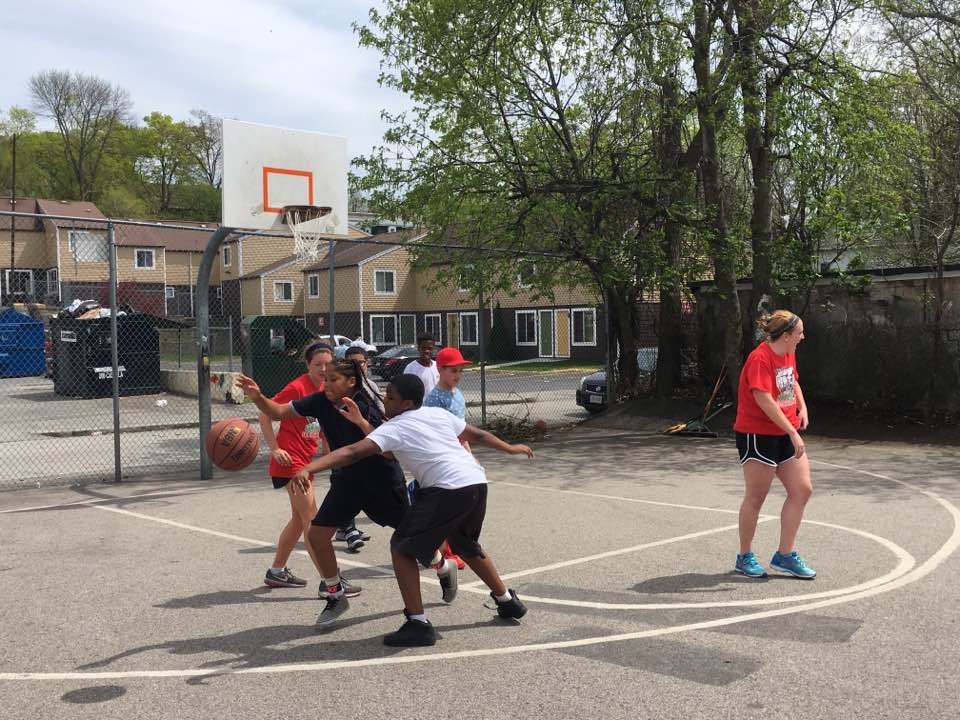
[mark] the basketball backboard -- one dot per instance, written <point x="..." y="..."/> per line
<point x="266" y="168"/>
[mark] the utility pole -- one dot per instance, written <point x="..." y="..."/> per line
<point x="13" y="220"/>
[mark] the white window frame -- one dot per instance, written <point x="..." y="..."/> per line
<point x="136" y="259"/>
<point x="73" y="236"/>
<point x="9" y="284"/>
<point x="393" y="274"/>
<point x="516" y="328"/>
<point x="279" y="283"/>
<point x="219" y="292"/>
<point x="520" y="284"/>
<point x="310" y="280"/>
<point x="226" y="256"/>
<point x="384" y="342"/>
<point x="169" y="292"/>
<point x="476" y="317"/>
<point x="438" y="336"/>
<point x="573" y="327"/>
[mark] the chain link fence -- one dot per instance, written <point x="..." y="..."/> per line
<point x="58" y="414"/>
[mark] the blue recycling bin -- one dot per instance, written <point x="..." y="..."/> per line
<point x="21" y="345"/>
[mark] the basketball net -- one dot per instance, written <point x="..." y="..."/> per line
<point x="310" y="232"/>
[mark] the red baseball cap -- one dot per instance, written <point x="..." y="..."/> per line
<point x="451" y="357"/>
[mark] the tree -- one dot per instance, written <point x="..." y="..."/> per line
<point x="88" y="111"/>
<point x="206" y="146"/>
<point x="19" y="121"/>
<point x="166" y="159"/>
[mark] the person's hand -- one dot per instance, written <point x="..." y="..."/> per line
<point x="249" y="387"/>
<point x="351" y="411"/>
<point x="282" y="457"/>
<point x="798" y="444"/>
<point x="521" y="450"/>
<point x="302" y="481"/>
<point x="804" y="418"/>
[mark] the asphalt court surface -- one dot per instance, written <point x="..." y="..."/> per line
<point x="145" y="599"/>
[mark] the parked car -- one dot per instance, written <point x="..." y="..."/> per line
<point x="592" y="393"/>
<point x="392" y="362"/>
<point x="340" y="343"/>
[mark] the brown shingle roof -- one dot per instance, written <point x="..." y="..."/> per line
<point x="25" y="205"/>
<point x="350" y="253"/>
<point x="269" y="268"/>
<point x="174" y="239"/>
<point x="71" y="208"/>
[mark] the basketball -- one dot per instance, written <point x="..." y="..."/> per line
<point x="232" y="444"/>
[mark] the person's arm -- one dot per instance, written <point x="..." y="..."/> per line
<point x="273" y="410"/>
<point x="279" y="454"/>
<point x="473" y="434"/>
<point x="337" y="459"/>
<point x="772" y="410"/>
<point x="351" y="411"/>
<point x="802" y="412"/>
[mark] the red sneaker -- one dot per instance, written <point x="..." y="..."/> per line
<point x="449" y="554"/>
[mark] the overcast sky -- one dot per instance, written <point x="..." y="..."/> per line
<point x="293" y="63"/>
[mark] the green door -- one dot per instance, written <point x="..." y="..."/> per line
<point x="546" y="333"/>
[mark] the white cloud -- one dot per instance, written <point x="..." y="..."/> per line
<point x="293" y="63"/>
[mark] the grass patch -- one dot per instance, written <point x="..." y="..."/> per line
<point x="545" y="367"/>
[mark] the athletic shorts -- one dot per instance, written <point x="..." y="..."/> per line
<point x="772" y="450"/>
<point x="440" y="514"/>
<point x="282" y="482"/>
<point x="382" y="496"/>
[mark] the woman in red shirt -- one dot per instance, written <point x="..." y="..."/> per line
<point x="292" y="447"/>
<point x="770" y="413"/>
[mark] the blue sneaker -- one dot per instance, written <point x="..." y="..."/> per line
<point x="747" y="565"/>
<point x="792" y="564"/>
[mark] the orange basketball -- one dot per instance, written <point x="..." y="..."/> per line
<point x="232" y="444"/>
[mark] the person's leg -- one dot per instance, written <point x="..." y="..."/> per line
<point x="302" y="509"/>
<point x="319" y="539"/>
<point x="795" y="476"/>
<point x="757" y="479"/>
<point x="407" y="571"/>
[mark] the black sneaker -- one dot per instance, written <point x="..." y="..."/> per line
<point x="511" y="608"/>
<point x="448" y="582"/>
<point x="284" y="578"/>
<point x="349" y="589"/>
<point x="413" y="633"/>
<point x="336" y="606"/>
<point x="354" y="540"/>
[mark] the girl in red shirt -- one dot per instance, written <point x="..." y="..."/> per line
<point x="292" y="447"/>
<point x="770" y="413"/>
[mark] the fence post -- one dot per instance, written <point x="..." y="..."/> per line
<point x="179" y="350"/>
<point x="230" y="342"/>
<point x="114" y="353"/>
<point x="483" y="360"/>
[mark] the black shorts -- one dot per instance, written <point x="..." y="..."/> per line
<point x="440" y="514"/>
<point x="772" y="450"/>
<point x="279" y="482"/>
<point x="382" y="496"/>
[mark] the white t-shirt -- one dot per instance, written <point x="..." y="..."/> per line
<point x="425" y="442"/>
<point x="429" y="375"/>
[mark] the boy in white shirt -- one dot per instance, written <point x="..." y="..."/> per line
<point x="424" y="366"/>
<point x="451" y="502"/>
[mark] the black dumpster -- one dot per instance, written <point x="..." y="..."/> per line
<point x="83" y="356"/>
<point x="273" y="350"/>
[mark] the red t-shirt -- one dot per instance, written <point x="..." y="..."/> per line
<point x="300" y="437"/>
<point x="772" y="373"/>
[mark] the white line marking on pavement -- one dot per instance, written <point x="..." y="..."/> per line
<point x="928" y="566"/>
<point x="93" y="501"/>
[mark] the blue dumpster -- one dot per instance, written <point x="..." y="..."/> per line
<point x="21" y="345"/>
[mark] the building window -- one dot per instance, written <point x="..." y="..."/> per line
<point x="384" y="282"/>
<point x="144" y="259"/>
<point x="468" y="329"/>
<point x="585" y="326"/>
<point x="313" y="286"/>
<point x="383" y="330"/>
<point x="526" y="327"/>
<point x="525" y="276"/>
<point x="219" y="292"/>
<point x="433" y="325"/>
<point x="408" y="329"/>
<point x="227" y="260"/>
<point x="169" y="292"/>
<point x="283" y="291"/>
<point x="88" y="246"/>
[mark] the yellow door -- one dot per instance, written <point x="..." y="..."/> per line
<point x="563" y="333"/>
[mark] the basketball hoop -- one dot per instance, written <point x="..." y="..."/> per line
<point x="308" y="232"/>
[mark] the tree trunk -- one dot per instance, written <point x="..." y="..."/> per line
<point x="670" y="337"/>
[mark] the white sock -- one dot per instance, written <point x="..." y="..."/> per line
<point x="421" y="617"/>
<point x="276" y="570"/>
<point x="506" y="596"/>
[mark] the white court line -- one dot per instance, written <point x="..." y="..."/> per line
<point x="928" y="566"/>
<point x="93" y="501"/>
<point x="611" y="553"/>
